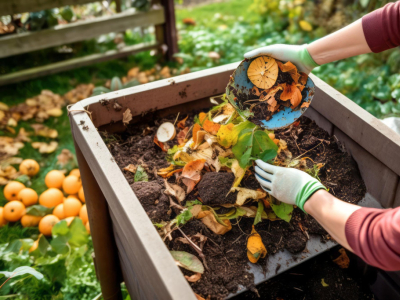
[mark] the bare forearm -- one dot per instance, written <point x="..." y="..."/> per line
<point x="347" y="42"/>
<point x="331" y="213"/>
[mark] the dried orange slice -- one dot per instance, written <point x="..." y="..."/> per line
<point x="263" y="72"/>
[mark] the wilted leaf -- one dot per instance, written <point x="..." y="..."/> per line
<point x="208" y="125"/>
<point x="140" y="175"/>
<point x="182" y="123"/>
<point x="255" y="247"/>
<point x="169" y="171"/>
<point x="245" y="194"/>
<point x="324" y="284"/>
<point x="23" y="135"/>
<point x="174" y="190"/>
<point x="238" y="172"/>
<point x="45" y="131"/>
<point x="343" y="260"/>
<point x="292" y="93"/>
<point x="208" y="219"/>
<point x="194" y="277"/>
<point x="126" y="117"/>
<point x="159" y="144"/>
<point x="44" y="147"/>
<point x="188" y="261"/>
<point x="130" y="168"/>
<point x="191" y="173"/>
<point x="182" y="135"/>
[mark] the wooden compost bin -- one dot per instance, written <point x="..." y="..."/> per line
<point x="126" y="244"/>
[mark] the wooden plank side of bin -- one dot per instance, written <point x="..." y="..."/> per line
<point x="10" y="7"/>
<point x="159" y="94"/>
<point x="74" y="63"/>
<point x="396" y="201"/>
<point x="366" y="130"/>
<point x="148" y="253"/>
<point x="380" y="180"/>
<point x="14" y="44"/>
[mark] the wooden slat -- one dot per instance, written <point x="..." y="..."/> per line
<point x="64" y="34"/>
<point x="74" y="63"/>
<point x="366" y="130"/>
<point x="9" y="7"/>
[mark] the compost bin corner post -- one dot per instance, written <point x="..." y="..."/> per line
<point x="106" y="254"/>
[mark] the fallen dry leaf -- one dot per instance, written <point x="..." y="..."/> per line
<point x="198" y="135"/>
<point x="79" y="93"/>
<point x="292" y="93"/>
<point x="182" y="135"/>
<point x="343" y="260"/>
<point x="54" y="112"/>
<point x="198" y="297"/>
<point x="174" y="190"/>
<point x="132" y="73"/>
<point x="194" y="277"/>
<point x="159" y="144"/>
<point x="181" y="123"/>
<point x="245" y="194"/>
<point x="208" y="219"/>
<point x="44" y="147"/>
<point x="291" y="69"/>
<point x="64" y="157"/>
<point x="44" y="131"/>
<point x="9" y="147"/>
<point x="169" y="171"/>
<point x="255" y="247"/>
<point x="191" y="173"/>
<point x="126" y="117"/>
<point x="208" y="125"/>
<point x="130" y="168"/>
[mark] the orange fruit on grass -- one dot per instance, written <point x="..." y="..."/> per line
<point x="58" y="211"/>
<point x="75" y="172"/>
<point x="72" y="197"/>
<point x="69" y="220"/>
<point x="13" y="211"/>
<point x="83" y="214"/>
<point x="30" y="221"/>
<point x="28" y="196"/>
<point x="87" y="227"/>
<point x="72" y="184"/>
<point x="72" y="207"/>
<point x="47" y="223"/>
<point x="34" y="246"/>
<point x="12" y="189"/>
<point x="3" y="221"/>
<point x="263" y="72"/>
<point x="29" y="167"/>
<point x="81" y="195"/>
<point x="51" y="198"/>
<point x="54" y="179"/>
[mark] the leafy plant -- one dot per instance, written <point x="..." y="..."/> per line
<point x="115" y="85"/>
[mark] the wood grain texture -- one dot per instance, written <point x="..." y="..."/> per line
<point x="74" y="63"/>
<point x="380" y="180"/>
<point x="366" y="130"/>
<point x="319" y="119"/>
<point x="64" y="34"/>
<point x="10" y="7"/>
<point x="145" y="249"/>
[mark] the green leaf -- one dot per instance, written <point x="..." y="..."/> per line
<point x="79" y="235"/>
<point x="38" y="210"/>
<point x="260" y="210"/>
<point x="192" y="203"/>
<point x="49" y="260"/>
<point x="268" y="155"/>
<point x="141" y="174"/>
<point x="158" y="225"/>
<point x="60" y="228"/>
<point x="184" y="217"/>
<point x="261" y="143"/>
<point x="283" y="210"/>
<point x="60" y="244"/>
<point x="233" y="214"/>
<point x="22" y="271"/>
<point x="226" y="161"/>
<point x="26" y="244"/>
<point x="14" y="246"/>
<point x="188" y="261"/>
<point x="243" y="148"/>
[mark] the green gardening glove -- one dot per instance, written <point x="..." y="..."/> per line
<point x="288" y="185"/>
<point x="298" y="55"/>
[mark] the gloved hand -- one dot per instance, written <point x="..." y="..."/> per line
<point x="288" y="185"/>
<point x="298" y="55"/>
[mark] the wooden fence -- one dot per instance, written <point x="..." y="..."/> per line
<point x="162" y="16"/>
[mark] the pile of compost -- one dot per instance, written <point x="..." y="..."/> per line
<point x="205" y="201"/>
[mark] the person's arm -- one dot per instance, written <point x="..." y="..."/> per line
<point x="372" y="234"/>
<point x="376" y="32"/>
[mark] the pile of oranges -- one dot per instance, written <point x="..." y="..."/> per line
<point x="64" y="196"/>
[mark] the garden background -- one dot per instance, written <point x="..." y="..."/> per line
<point x="210" y="34"/>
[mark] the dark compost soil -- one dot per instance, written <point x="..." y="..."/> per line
<point x="226" y="255"/>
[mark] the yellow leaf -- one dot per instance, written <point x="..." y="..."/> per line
<point x="343" y="260"/>
<point x="255" y="247"/>
<point x="245" y="194"/>
<point x="208" y="218"/>
<point x="3" y="106"/>
<point x="305" y="25"/>
<point x="225" y="135"/>
<point x="54" y="112"/>
<point x="44" y="147"/>
<point x="238" y="172"/>
<point x="324" y="284"/>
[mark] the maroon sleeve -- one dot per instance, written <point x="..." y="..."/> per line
<point x="374" y="235"/>
<point x="382" y="27"/>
